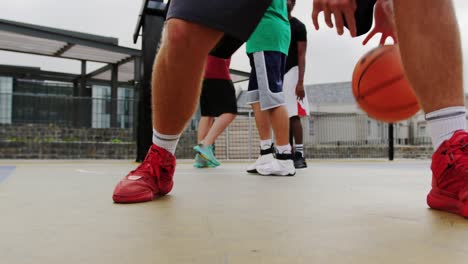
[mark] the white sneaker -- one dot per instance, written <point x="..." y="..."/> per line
<point x="278" y="167"/>
<point x="263" y="159"/>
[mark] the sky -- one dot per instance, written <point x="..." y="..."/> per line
<point x="330" y="58"/>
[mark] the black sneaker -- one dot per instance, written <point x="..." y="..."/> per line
<point x="299" y="161"/>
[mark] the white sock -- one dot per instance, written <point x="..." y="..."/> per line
<point x="300" y="148"/>
<point x="167" y="142"/>
<point x="265" y="144"/>
<point x="442" y="124"/>
<point x="285" y="149"/>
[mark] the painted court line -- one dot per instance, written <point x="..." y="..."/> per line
<point x="6" y="171"/>
<point x="88" y="171"/>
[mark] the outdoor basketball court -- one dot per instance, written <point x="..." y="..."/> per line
<point x="333" y="212"/>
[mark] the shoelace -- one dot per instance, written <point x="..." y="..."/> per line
<point x="458" y="156"/>
<point x="147" y="164"/>
<point x="460" y="160"/>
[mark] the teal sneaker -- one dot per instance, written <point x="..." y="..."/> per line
<point x="200" y="162"/>
<point x="207" y="154"/>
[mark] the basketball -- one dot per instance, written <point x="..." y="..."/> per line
<point x="380" y="86"/>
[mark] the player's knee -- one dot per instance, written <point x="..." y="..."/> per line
<point x="177" y="34"/>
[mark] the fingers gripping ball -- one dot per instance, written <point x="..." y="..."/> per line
<point x="380" y="86"/>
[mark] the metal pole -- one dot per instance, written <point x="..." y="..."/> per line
<point x="136" y="96"/>
<point x="114" y="89"/>
<point x="152" y="30"/>
<point x="391" y="153"/>
<point x="250" y="134"/>
<point x="82" y="109"/>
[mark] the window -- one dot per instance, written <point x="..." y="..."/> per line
<point x="422" y="131"/>
<point x="101" y="106"/>
<point x="6" y="99"/>
<point x="125" y="107"/>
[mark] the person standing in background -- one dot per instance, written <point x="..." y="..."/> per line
<point x="293" y="86"/>
<point x="217" y="100"/>
<point x="267" y="49"/>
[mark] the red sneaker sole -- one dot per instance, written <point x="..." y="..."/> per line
<point x="439" y="201"/>
<point x="144" y="197"/>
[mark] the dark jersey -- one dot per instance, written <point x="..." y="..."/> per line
<point x="298" y="33"/>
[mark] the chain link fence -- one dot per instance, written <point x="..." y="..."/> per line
<point x="326" y="136"/>
<point x="66" y="127"/>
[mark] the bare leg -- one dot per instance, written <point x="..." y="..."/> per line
<point x="429" y="43"/>
<point x="219" y="125"/>
<point x="296" y="127"/>
<point x="296" y="131"/>
<point x="272" y="118"/>
<point x="280" y="123"/>
<point x="266" y="164"/>
<point x="291" y="136"/>
<point x="262" y="120"/>
<point x="176" y="85"/>
<point x="204" y="125"/>
<point x="431" y="53"/>
<point x="177" y="73"/>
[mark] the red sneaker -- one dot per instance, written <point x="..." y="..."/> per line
<point x="450" y="176"/>
<point x="153" y="178"/>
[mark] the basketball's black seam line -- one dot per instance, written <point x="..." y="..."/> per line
<point x="384" y="108"/>
<point x="383" y="84"/>
<point x="364" y="71"/>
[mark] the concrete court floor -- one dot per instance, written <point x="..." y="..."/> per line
<point x="332" y="212"/>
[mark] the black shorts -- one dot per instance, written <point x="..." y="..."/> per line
<point x="218" y="97"/>
<point x="364" y="16"/>
<point x="237" y="19"/>
<point x="226" y="47"/>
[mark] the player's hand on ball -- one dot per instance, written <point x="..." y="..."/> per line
<point x="384" y="22"/>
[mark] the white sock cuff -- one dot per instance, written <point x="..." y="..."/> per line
<point x="165" y="137"/>
<point x="300" y="148"/>
<point x="285" y="149"/>
<point x="265" y="144"/>
<point x="167" y="142"/>
<point x="443" y="123"/>
<point x="447" y="112"/>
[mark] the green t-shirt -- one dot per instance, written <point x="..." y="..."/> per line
<point x="273" y="33"/>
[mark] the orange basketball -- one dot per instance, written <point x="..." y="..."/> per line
<point x="380" y="86"/>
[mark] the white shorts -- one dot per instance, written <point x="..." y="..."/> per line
<point x="295" y="107"/>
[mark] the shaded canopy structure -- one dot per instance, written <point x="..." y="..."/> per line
<point x="59" y="43"/>
<point x="122" y="64"/>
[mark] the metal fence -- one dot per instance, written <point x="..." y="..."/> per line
<point x="326" y="136"/>
<point x="62" y="126"/>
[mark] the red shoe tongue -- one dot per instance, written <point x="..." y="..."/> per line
<point x="458" y="136"/>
